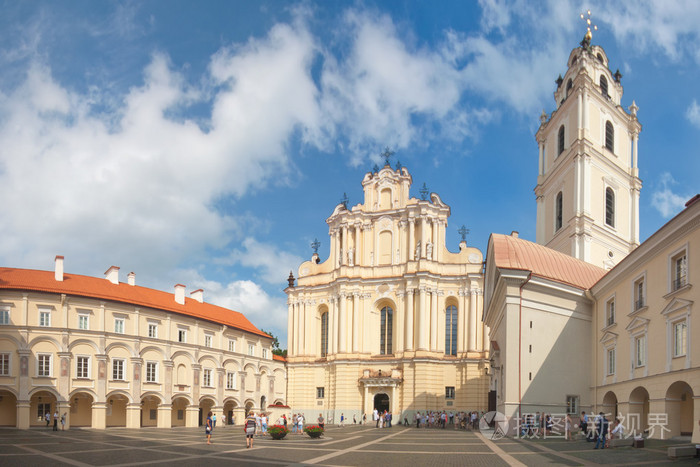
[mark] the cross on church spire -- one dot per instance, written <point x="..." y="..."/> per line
<point x="386" y="155"/>
<point x="463" y="231"/>
<point x="586" y="42"/>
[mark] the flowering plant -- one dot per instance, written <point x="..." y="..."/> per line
<point x="314" y="431"/>
<point x="277" y="431"/>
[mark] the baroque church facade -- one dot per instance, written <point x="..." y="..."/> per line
<point x="392" y="318"/>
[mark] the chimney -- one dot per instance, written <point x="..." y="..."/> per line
<point x="198" y="295"/>
<point x="514" y="233"/>
<point x="131" y="278"/>
<point x="58" y="274"/>
<point x="180" y="294"/>
<point x="112" y="275"/>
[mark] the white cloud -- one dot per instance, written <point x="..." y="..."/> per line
<point x="274" y="264"/>
<point x="666" y="26"/>
<point x="693" y="113"/>
<point x="665" y="200"/>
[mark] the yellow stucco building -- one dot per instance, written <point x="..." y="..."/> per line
<point x="107" y="353"/>
<point x="392" y="318"/>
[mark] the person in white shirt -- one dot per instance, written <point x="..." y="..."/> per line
<point x="619" y="431"/>
<point x="300" y="424"/>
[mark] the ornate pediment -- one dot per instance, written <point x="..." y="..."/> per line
<point x="637" y="323"/>
<point x="608" y="338"/>
<point x="677" y="304"/>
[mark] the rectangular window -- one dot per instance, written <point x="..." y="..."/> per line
<point x="182" y="335"/>
<point x="320" y="393"/>
<point x="680" y="336"/>
<point x="680" y="271"/>
<point x="84" y="322"/>
<point x="118" y="369"/>
<point x="449" y="392"/>
<point x="639" y="294"/>
<point x="208" y="338"/>
<point x="610" y="312"/>
<point x="640" y="358"/>
<point x="230" y="380"/>
<point x="44" y="318"/>
<point x="611" y="361"/>
<point x="151" y="372"/>
<point x="206" y="378"/>
<point x="153" y="330"/>
<point x="119" y="325"/>
<point x="572" y="404"/>
<point x="43" y="365"/>
<point x="251" y="350"/>
<point x="153" y="414"/>
<point x="232" y="345"/>
<point x="4" y="316"/>
<point x="82" y="368"/>
<point x="4" y="364"/>
<point x="264" y="353"/>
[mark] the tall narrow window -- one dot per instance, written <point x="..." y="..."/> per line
<point x="82" y="368"/>
<point x="609" y="136"/>
<point x="561" y="139"/>
<point x="611" y="312"/>
<point x="604" y="86"/>
<point x="43" y="365"/>
<point x="680" y="338"/>
<point x="118" y="369"/>
<point x="639" y="294"/>
<point x="151" y="372"/>
<point x="385" y="339"/>
<point x="324" y="334"/>
<point x="610" y="207"/>
<point x="230" y="380"/>
<point x="558" y="215"/>
<point x="640" y="357"/>
<point x="569" y="86"/>
<point x="611" y="361"/>
<point x="451" y="330"/>
<point x="83" y="322"/>
<point x="4" y="364"/>
<point x="680" y="271"/>
<point x="4" y="316"/>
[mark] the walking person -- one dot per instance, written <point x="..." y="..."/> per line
<point x="55" y="420"/>
<point x="213" y="421"/>
<point x="63" y="421"/>
<point x="263" y="423"/>
<point x="602" y="427"/>
<point x="567" y="428"/>
<point x="249" y="428"/>
<point x="300" y="424"/>
<point x="208" y="427"/>
<point x="47" y="416"/>
<point x="584" y="425"/>
<point x="342" y="419"/>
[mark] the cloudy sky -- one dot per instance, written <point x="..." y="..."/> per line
<point x="205" y="143"/>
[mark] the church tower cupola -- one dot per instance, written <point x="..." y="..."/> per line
<point x="587" y="186"/>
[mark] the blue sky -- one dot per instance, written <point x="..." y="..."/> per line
<point x="205" y="143"/>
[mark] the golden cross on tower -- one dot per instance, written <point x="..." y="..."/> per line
<point x="589" y="35"/>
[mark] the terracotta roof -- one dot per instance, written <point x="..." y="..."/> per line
<point x="511" y="252"/>
<point x="92" y="287"/>
<point x="279" y="358"/>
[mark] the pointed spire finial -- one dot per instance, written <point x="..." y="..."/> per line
<point x="586" y="42"/>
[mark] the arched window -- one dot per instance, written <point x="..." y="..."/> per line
<point x="324" y="334"/>
<point x="561" y="139"/>
<point x="600" y="58"/>
<point x="609" y="136"/>
<point x="558" y="213"/>
<point x="386" y="327"/>
<point x="604" y="86"/>
<point x="610" y="207"/>
<point x="451" y="330"/>
<point x="569" y="85"/>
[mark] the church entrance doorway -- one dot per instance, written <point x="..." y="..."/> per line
<point x="381" y="402"/>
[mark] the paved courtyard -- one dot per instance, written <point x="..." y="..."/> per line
<point x="348" y="446"/>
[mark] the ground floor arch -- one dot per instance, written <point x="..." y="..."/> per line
<point x="40" y="404"/>
<point x="679" y="409"/>
<point x="205" y="406"/>
<point x="81" y="409"/>
<point x="178" y="416"/>
<point x="249" y="405"/>
<point x="229" y="411"/>
<point x="609" y="405"/>
<point x="149" y="410"/>
<point x="638" y="419"/>
<point x="116" y="410"/>
<point x="8" y="409"/>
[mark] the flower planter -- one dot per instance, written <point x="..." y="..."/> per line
<point x="314" y="431"/>
<point x="277" y="431"/>
<point x="279" y="435"/>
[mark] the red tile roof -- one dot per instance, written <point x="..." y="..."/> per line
<point x="92" y="287"/>
<point x="516" y="253"/>
<point x="279" y="358"/>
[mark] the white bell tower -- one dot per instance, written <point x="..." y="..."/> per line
<point x="587" y="186"/>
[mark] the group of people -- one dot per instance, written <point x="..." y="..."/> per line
<point x="600" y="430"/>
<point x="440" y="419"/>
<point x="382" y="418"/>
<point x="56" y="419"/>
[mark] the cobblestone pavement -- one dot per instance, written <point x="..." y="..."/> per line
<point x="348" y="446"/>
